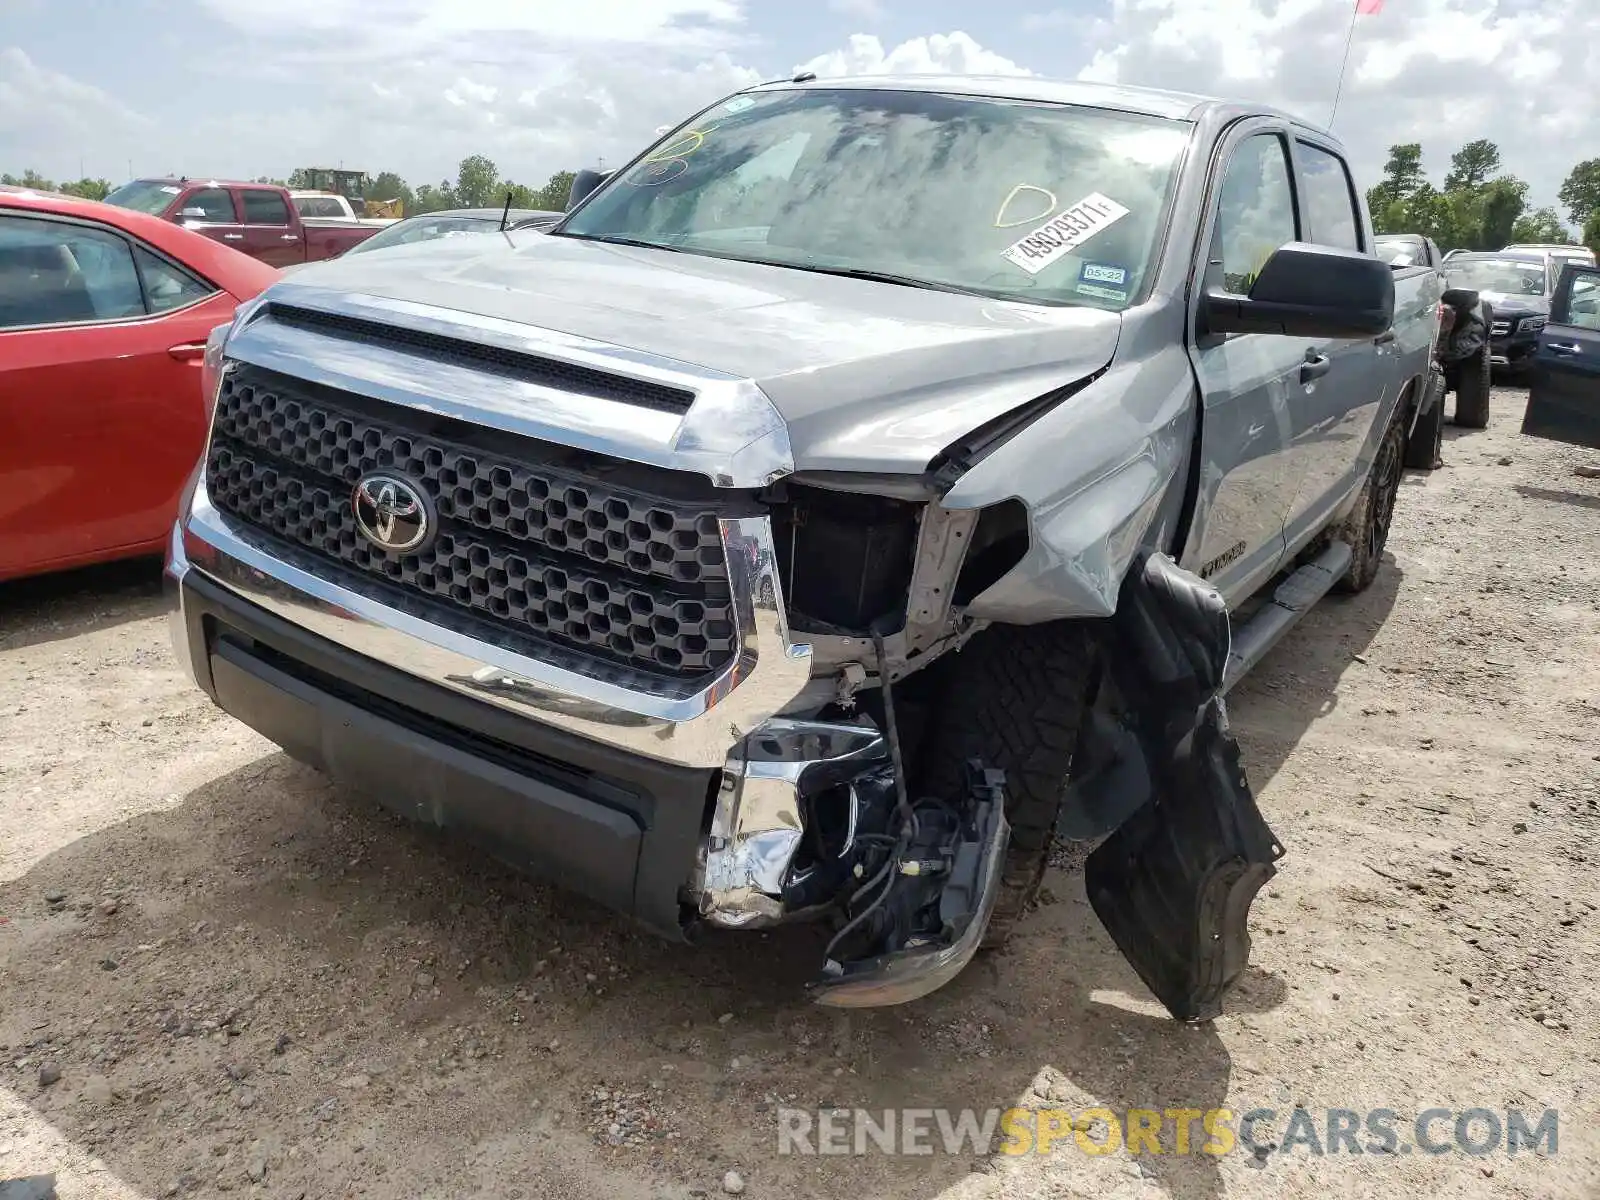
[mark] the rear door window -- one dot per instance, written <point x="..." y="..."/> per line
<point x="215" y="205"/>
<point x="262" y="207"/>
<point x="58" y="273"/>
<point x="1330" y="200"/>
<point x="166" y="285"/>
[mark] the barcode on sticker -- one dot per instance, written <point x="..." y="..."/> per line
<point x="1064" y="232"/>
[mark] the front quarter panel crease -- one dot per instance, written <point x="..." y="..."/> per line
<point x="1100" y="477"/>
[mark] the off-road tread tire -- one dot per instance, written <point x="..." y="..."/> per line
<point x="1427" y="436"/>
<point x="1472" y="392"/>
<point x="1366" y="560"/>
<point x="1014" y="697"/>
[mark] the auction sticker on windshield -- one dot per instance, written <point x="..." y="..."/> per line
<point x="1064" y="232"/>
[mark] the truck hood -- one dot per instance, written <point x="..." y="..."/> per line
<point x="868" y="376"/>
<point x="1516" y="305"/>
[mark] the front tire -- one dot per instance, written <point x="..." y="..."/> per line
<point x="1367" y="526"/>
<point x="1013" y="697"/>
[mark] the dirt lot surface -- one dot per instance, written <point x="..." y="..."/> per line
<point x="219" y="975"/>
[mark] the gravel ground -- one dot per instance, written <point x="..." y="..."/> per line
<point x="217" y="974"/>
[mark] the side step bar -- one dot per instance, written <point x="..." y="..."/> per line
<point x="1291" y="600"/>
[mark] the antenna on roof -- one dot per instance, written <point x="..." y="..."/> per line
<point x="506" y="214"/>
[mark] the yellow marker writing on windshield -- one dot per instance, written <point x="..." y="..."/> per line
<point x="1050" y="206"/>
<point x="681" y="146"/>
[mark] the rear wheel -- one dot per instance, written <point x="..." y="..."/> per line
<point x="1367" y="526"/>
<point x="1472" y="392"/>
<point x="1422" y="447"/>
<point x="1014" y="697"/>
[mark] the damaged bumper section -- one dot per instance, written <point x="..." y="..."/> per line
<point x="799" y="819"/>
<point x="811" y="820"/>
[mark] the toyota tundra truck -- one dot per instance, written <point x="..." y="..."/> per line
<point x="867" y="484"/>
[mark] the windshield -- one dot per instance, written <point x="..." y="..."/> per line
<point x="1507" y="275"/>
<point x="1038" y="203"/>
<point x="144" y="195"/>
<point x="425" y="229"/>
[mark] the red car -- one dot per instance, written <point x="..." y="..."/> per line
<point x="103" y="321"/>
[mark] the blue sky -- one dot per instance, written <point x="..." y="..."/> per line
<point x="248" y="87"/>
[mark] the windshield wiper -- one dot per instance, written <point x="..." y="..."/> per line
<point x="911" y="281"/>
<point x="886" y="277"/>
<point x="617" y="241"/>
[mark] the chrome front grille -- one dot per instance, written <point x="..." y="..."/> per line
<point x="1500" y="328"/>
<point x="551" y="552"/>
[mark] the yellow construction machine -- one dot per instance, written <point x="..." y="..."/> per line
<point x="352" y="185"/>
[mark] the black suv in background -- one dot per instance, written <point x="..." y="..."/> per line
<point x="1517" y="284"/>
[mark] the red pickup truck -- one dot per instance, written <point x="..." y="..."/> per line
<point x="256" y="218"/>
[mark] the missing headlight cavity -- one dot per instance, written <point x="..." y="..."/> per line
<point x="845" y="559"/>
<point x="998" y="544"/>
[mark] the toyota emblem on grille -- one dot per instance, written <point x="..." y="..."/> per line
<point x="392" y="513"/>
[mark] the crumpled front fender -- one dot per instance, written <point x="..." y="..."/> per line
<point x="1101" y="476"/>
<point x="1174" y="883"/>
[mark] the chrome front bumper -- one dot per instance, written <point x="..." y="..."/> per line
<point x="768" y="765"/>
<point x="764" y="772"/>
<point x="699" y="730"/>
<point x="726" y="842"/>
<point x="758" y="822"/>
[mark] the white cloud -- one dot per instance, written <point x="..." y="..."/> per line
<point x="940" y="54"/>
<point x="43" y="110"/>
<point x="1051" y="19"/>
<point x="466" y="91"/>
<point x="1439" y="72"/>
<point x="861" y="10"/>
<point x="536" y="86"/>
<point x="422" y="23"/>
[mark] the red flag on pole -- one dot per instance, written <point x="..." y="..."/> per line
<point x="1368" y="8"/>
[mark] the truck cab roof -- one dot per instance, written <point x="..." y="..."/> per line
<point x="1151" y="102"/>
<point x="200" y="181"/>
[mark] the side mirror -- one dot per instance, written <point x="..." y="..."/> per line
<point x="583" y="184"/>
<point x="1312" y="292"/>
<point x="192" y="214"/>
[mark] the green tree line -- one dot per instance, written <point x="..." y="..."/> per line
<point x="477" y="185"/>
<point x="1480" y="206"/>
<point x="89" y="189"/>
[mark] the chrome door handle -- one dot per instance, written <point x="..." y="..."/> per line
<point x="288" y="237"/>
<point x="233" y="237"/>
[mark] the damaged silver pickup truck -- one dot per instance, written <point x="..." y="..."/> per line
<point x="870" y="482"/>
